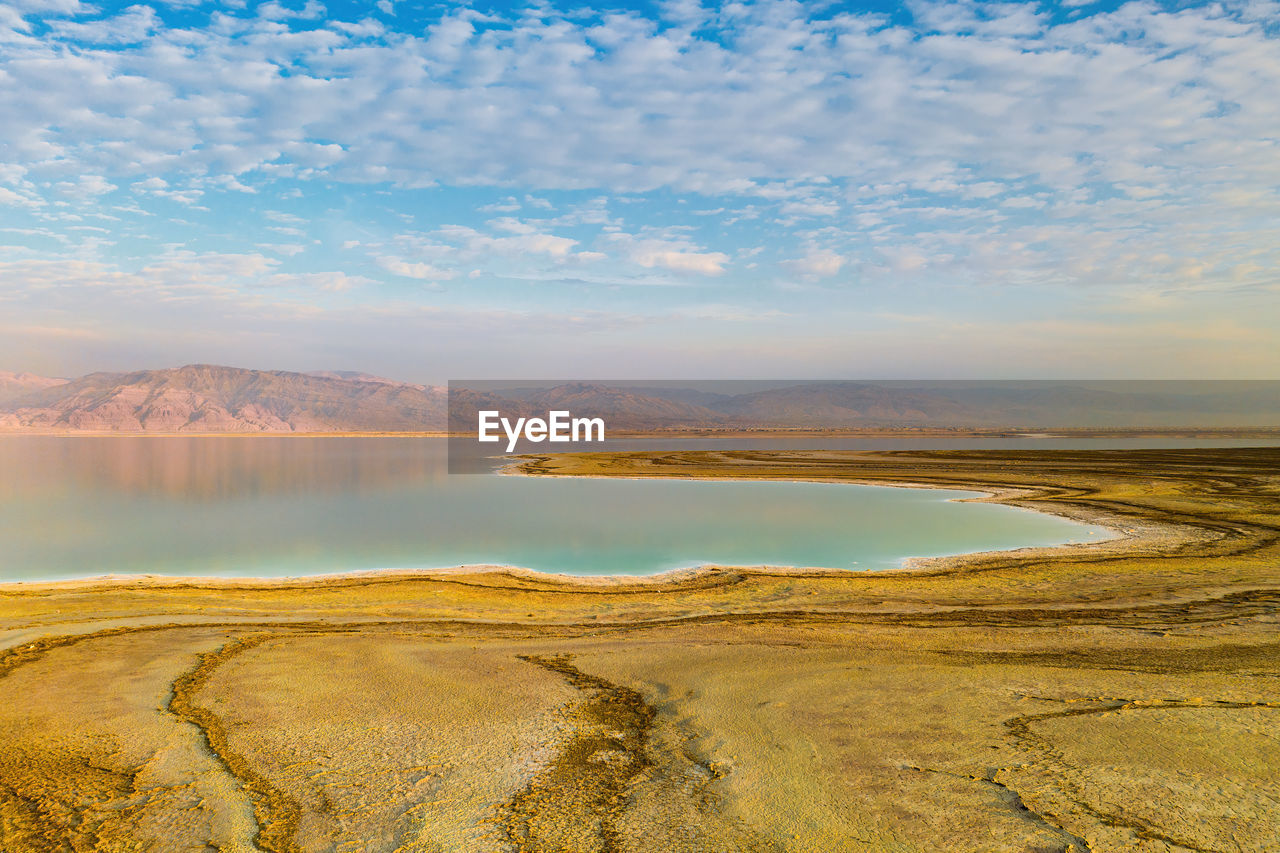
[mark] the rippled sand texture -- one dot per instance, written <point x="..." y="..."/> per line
<point x="1121" y="696"/>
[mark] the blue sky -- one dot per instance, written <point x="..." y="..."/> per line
<point x="421" y="190"/>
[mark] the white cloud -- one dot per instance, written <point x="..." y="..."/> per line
<point x="810" y="207"/>
<point x="86" y="187"/>
<point x="274" y="11"/>
<point x="996" y="86"/>
<point x="507" y="205"/>
<point x="546" y="244"/>
<point x="208" y="268"/>
<point x="703" y="263"/>
<point x="512" y="225"/>
<point x="461" y="242"/>
<point x="282" y="217"/>
<point x="8" y="196"/>
<point x="129" y="27"/>
<point x="818" y="263"/>
<point x="334" y="282"/>
<point x="286" y="249"/>
<point x="976" y="108"/>
<point x="180" y="276"/>
<point x="409" y="269"/>
<point x="981" y="142"/>
<point x="677" y="255"/>
<point x="55" y="7"/>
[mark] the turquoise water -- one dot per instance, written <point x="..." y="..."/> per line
<point x="266" y="506"/>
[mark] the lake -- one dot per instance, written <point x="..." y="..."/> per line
<point x="265" y="506"/>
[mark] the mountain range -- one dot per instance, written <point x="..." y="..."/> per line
<point x="13" y="385"/>
<point x="211" y="398"/>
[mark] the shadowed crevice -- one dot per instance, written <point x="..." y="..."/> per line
<point x="276" y="814"/>
<point x="575" y="803"/>
<point x="1014" y="800"/>
<point x="1020" y="728"/>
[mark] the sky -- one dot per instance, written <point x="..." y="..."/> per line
<point x="661" y="190"/>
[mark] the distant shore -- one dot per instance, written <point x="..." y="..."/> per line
<point x="763" y="432"/>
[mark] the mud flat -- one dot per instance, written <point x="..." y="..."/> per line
<point x="1122" y="695"/>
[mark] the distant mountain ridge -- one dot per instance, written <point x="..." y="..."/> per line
<point x="883" y="404"/>
<point x="14" y="385"/>
<point x="847" y="404"/>
<point x="211" y="398"/>
<point x="628" y="407"/>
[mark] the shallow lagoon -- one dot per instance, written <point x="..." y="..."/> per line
<point x="277" y="506"/>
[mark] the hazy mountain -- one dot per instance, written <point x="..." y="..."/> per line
<point x="205" y="398"/>
<point x="1108" y="403"/>
<point x="465" y="406"/>
<point x="678" y="394"/>
<point x="209" y="398"/>
<point x="844" y="404"/>
<point x="852" y="405"/>
<point x="17" y="384"/>
<point x="357" y="376"/>
<point x="623" y="408"/>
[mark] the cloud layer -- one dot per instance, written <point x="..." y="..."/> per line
<point x="752" y="152"/>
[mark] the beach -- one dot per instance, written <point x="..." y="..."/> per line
<point x="664" y="427"/>
<point x="1115" y="695"/>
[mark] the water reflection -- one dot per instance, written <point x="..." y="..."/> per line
<point x="274" y="506"/>
<point x="212" y="468"/>
<point x="215" y="468"/>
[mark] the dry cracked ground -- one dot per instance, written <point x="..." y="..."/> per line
<point x="1115" y="697"/>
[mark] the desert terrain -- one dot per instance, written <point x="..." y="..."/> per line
<point x="1121" y="695"/>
